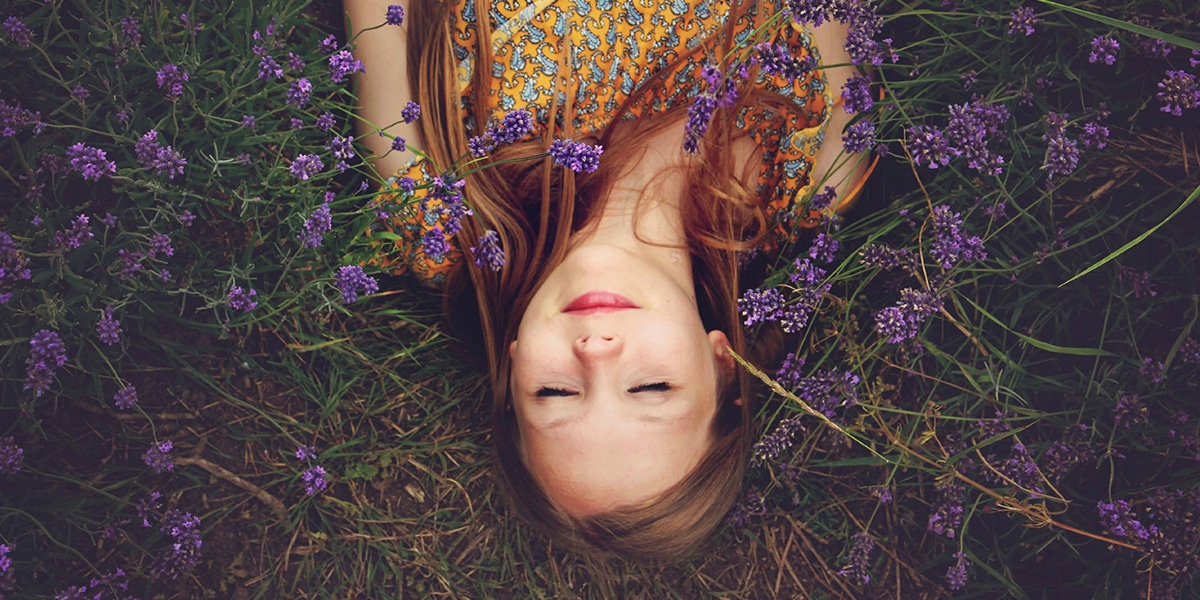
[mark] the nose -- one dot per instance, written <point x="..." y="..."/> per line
<point x="597" y="346"/>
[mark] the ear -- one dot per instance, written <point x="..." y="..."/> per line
<point x="720" y="344"/>
<point x="512" y="350"/>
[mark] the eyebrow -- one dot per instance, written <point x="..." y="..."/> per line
<point x="562" y="421"/>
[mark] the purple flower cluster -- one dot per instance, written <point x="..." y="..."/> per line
<point x="90" y="162"/>
<point x="13" y="117"/>
<point x="1063" y="455"/>
<point x="80" y="93"/>
<point x="11" y="456"/>
<point x="268" y="68"/>
<point x="1117" y="519"/>
<point x="928" y="145"/>
<point x="327" y="45"/>
<point x="859" y="137"/>
<point x="488" y="253"/>
<point x="948" y="514"/>
<point x="950" y="245"/>
<point x="576" y="156"/>
<point x="13" y="267"/>
<point x="163" y="160"/>
<point x="18" y="31"/>
<point x="395" y="15"/>
<point x="240" y="299"/>
<point x="1152" y="370"/>
<point x="823" y="249"/>
<point x="314" y="480"/>
<point x="823" y="199"/>
<point x="350" y="279"/>
<point x="790" y="371"/>
<point x="1104" y="49"/>
<point x="299" y="93"/>
<point x="771" y="446"/>
<point x="125" y="397"/>
<point x="752" y="505"/>
<point x="158" y="457"/>
<point x="77" y="235"/>
<point x="411" y="112"/>
<point x="776" y="60"/>
<point x="160" y="243"/>
<point x="858" y="559"/>
<point x="1094" y="135"/>
<point x="720" y="91"/>
<point x="131" y="262"/>
<point x="184" y="553"/>
<point x="826" y="391"/>
<point x="7" y="578"/>
<point x="956" y="575"/>
<point x="1130" y="411"/>
<point x="760" y="306"/>
<point x="1019" y="468"/>
<point x="1189" y="351"/>
<point x="342" y="64"/>
<point x="435" y="244"/>
<point x="1023" y="21"/>
<point x="319" y="221"/>
<point x="1178" y="91"/>
<point x="46" y="353"/>
<point x="884" y="257"/>
<point x="108" y="328"/>
<point x="1062" y="152"/>
<point x="971" y="127"/>
<point x="325" y="122"/>
<point x="856" y="94"/>
<point x="305" y="452"/>
<point x="900" y="323"/>
<point x="306" y="166"/>
<point x="129" y="30"/>
<point x="512" y="128"/>
<point x="171" y="78"/>
<point x="96" y="588"/>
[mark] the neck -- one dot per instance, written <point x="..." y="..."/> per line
<point x="642" y="209"/>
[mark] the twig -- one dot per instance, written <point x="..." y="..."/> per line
<point x="271" y="501"/>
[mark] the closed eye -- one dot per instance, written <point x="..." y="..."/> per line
<point x="660" y="386"/>
<point x="549" y="392"/>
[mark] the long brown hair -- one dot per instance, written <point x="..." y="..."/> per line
<point x="536" y="207"/>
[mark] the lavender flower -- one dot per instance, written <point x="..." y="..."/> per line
<point x="900" y="322"/>
<point x="856" y="94"/>
<point x="90" y="162"/>
<point x="306" y="166"/>
<point x="109" y="220"/>
<point x="184" y="553"/>
<point x="131" y="262"/>
<point x="299" y="93"/>
<point x="78" y="235"/>
<point x="950" y="245"/>
<point x="699" y="119"/>
<point x="1152" y="370"/>
<point x="325" y="122"/>
<point x="295" y="63"/>
<point x="171" y="78"/>
<point x="187" y="218"/>
<point x="823" y="199"/>
<point x="350" y="279"/>
<point x="790" y="371"/>
<point x="947" y="516"/>
<point x="1189" y="351"/>
<point x="971" y="127"/>
<point x="342" y="147"/>
<point x="160" y="243"/>
<point x="13" y="117"/>
<point x="576" y="156"/>
<point x="956" y="575"/>
<point x="1117" y="519"/>
<point x="1104" y="49"/>
<point x="296" y="123"/>
<point x="12" y="267"/>
<point x="858" y="560"/>
<point x="760" y="306"/>
<point x="46" y="353"/>
<point x="488" y="252"/>
<point x="158" y="457"/>
<point x="823" y="248"/>
<point x="771" y="446"/>
<point x="125" y="397"/>
<point x="163" y="160"/>
<point x="928" y="145"/>
<point x="80" y="93"/>
<point x="399" y="144"/>
<point x="395" y="14"/>
<point x="1178" y="91"/>
<point x="859" y="137"/>
<point x="342" y="64"/>
<point x="129" y="30"/>
<point x="318" y="223"/>
<point x="268" y="68"/>
<point x="1130" y="411"/>
<point x="314" y="480"/>
<point x="108" y="328"/>
<point x="777" y="60"/>
<point x="1094" y="135"/>
<point x="1023" y="21"/>
<point x="826" y="391"/>
<point x="751" y="505"/>
<point x="239" y="299"/>
<point x="327" y="45"/>
<point x="18" y="32"/>
<point x="11" y="457"/>
<point x="305" y="452"/>
<point x="411" y="112"/>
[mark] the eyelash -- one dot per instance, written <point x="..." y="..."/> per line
<point x="659" y="386"/>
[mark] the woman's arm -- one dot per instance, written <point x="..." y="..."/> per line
<point x="843" y="172"/>
<point x="384" y="89"/>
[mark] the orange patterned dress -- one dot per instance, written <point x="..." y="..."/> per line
<point x="610" y="47"/>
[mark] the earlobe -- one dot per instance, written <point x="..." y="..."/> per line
<point x="512" y="350"/>
<point x="721" y="346"/>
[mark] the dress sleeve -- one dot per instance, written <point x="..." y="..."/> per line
<point x="406" y="225"/>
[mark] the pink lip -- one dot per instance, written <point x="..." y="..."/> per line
<point x="599" y="302"/>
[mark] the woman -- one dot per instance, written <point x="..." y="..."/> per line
<point x="620" y="423"/>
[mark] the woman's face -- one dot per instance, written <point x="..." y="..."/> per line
<point x="614" y="381"/>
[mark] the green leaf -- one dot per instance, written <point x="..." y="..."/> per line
<point x="1036" y="343"/>
<point x="1127" y="26"/>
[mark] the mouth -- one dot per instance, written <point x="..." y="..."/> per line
<point x="599" y="302"/>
